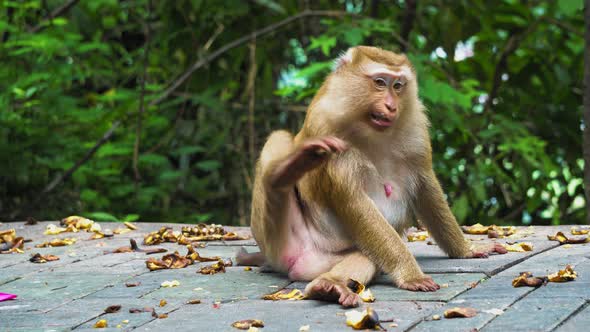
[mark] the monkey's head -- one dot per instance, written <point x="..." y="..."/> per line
<point x="370" y="89"/>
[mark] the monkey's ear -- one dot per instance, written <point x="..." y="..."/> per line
<point x="343" y="59"/>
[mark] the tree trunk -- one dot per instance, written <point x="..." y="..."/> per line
<point x="587" y="108"/>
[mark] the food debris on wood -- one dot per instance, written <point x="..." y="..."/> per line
<point x="246" y="324"/>
<point x="192" y="234"/>
<point x="216" y="268"/>
<point x="112" y="309"/>
<point x="10" y="243"/>
<point x="172" y="283"/>
<point x="567" y="274"/>
<point x="38" y="258"/>
<point x="519" y="247"/>
<point x="562" y="239"/>
<point x="101" y="324"/>
<point x="417" y="236"/>
<point x="460" y="312"/>
<point x="527" y="279"/>
<point x="285" y="294"/>
<point x="367" y="319"/>
<point x="364" y="293"/>
<point x="57" y="243"/>
<point x="133" y="247"/>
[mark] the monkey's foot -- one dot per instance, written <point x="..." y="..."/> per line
<point x="425" y="284"/>
<point x="495" y="248"/>
<point x="245" y="258"/>
<point x="311" y="154"/>
<point x="332" y="291"/>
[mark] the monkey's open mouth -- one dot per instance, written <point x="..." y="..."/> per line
<point x="380" y="120"/>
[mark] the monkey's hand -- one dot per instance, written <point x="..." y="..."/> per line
<point x="307" y="156"/>
<point x="484" y="251"/>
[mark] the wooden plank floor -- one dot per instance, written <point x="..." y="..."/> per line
<point x="72" y="293"/>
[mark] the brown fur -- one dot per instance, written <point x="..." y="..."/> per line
<point x="314" y="188"/>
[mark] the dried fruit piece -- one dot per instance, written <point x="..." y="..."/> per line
<point x="519" y="247"/>
<point x="559" y="236"/>
<point x="170" y="261"/>
<point x="435" y="317"/>
<point x="163" y="303"/>
<point x="194" y="255"/>
<point x="527" y="279"/>
<point x="38" y="258"/>
<point x="367" y="319"/>
<point x="477" y="229"/>
<point x="130" y="225"/>
<point x="78" y="222"/>
<point x="285" y="294"/>
<point x="172" y="283"/>
<point x="133" y="247"/>
<point x="215" y="268"/>
<point x="567" y="274"/>
<point x="245" y="324"/>
<point x="101" y="324"/>
<point x="458" y="312"/>
<point x="365" y="294"/>
<point x="195" y="301"/>
<point x="575" y="230"/>
<point x="132" y="284"/>
<point x="112" y="309"/>
<point x="417" y="236"/>
<point x="162" y="316"/>
<point x="57" y="243"/>
<point x="10" y="243"/>
<point x="52" y="229"/>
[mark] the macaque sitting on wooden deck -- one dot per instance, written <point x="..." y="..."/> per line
<point x="330" y="203"/>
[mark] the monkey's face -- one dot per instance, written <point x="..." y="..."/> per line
<point x="385" y="90"/>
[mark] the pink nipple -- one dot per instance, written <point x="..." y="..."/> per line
<point x="388" y="189"/>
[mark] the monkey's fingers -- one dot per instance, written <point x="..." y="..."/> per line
<point x="425" y="284"/>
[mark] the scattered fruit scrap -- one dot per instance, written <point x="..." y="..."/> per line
<point x="133" y="247"/>
<point x="38" y="258"/>
<point x="527" y="279"/>
<point x="112" y="309"/>
<point x="217" y="267"/>
<point x="458" y="312"/>
<point x="57" y="243"/>
<point x="575" y="230"/>
<point x="247" y="324"/>
<point x="101" y="324"/>
<point x="74" y="224"/>
<point x="190" y="234"/>
<point x="10" y="243"/>
<point x="285" y="294"/>
<point x="562" y="239"/>
<point x="491" y="231"/>
<point x="417" y="236"/>
<point x="167" y="284"/>
<point x="195" y="301"/>
<point x="519" y="247"/>
<point x="364" y="293"/>
<point x="367" y="319"/>
<point x="567" y="274"/>
<point x="175" y="261"/>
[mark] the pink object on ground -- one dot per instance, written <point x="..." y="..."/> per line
<point x="6" y="297"/>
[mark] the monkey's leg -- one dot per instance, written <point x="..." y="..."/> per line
<point x="275" y="206"/>
<point x="433" y="210"/>
<point x="331" y="286"/>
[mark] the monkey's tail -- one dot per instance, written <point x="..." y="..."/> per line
<point x="243" y="257"/>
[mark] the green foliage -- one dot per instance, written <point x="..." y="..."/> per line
<point x="65" y="81"/>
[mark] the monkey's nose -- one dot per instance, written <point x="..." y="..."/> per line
<point x="391" y="107"/>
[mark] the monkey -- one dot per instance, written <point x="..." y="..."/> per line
<point x="329" y="203"/>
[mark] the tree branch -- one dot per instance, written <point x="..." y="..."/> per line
<point x="511" y="45"/>
<point x="142" y="96"/>
<point x="57" y="12"/>
<point x="237" y="42"/>
<point x="408" y="23"/>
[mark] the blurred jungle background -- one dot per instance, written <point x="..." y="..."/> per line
<point x="156" y="110"/>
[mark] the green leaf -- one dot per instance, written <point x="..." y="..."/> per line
<point x="208" y="165"/>
<point x="101" y="216"/>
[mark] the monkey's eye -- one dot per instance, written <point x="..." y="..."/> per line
<point x="380" y="82"/>
<point x="398" y="85"/>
